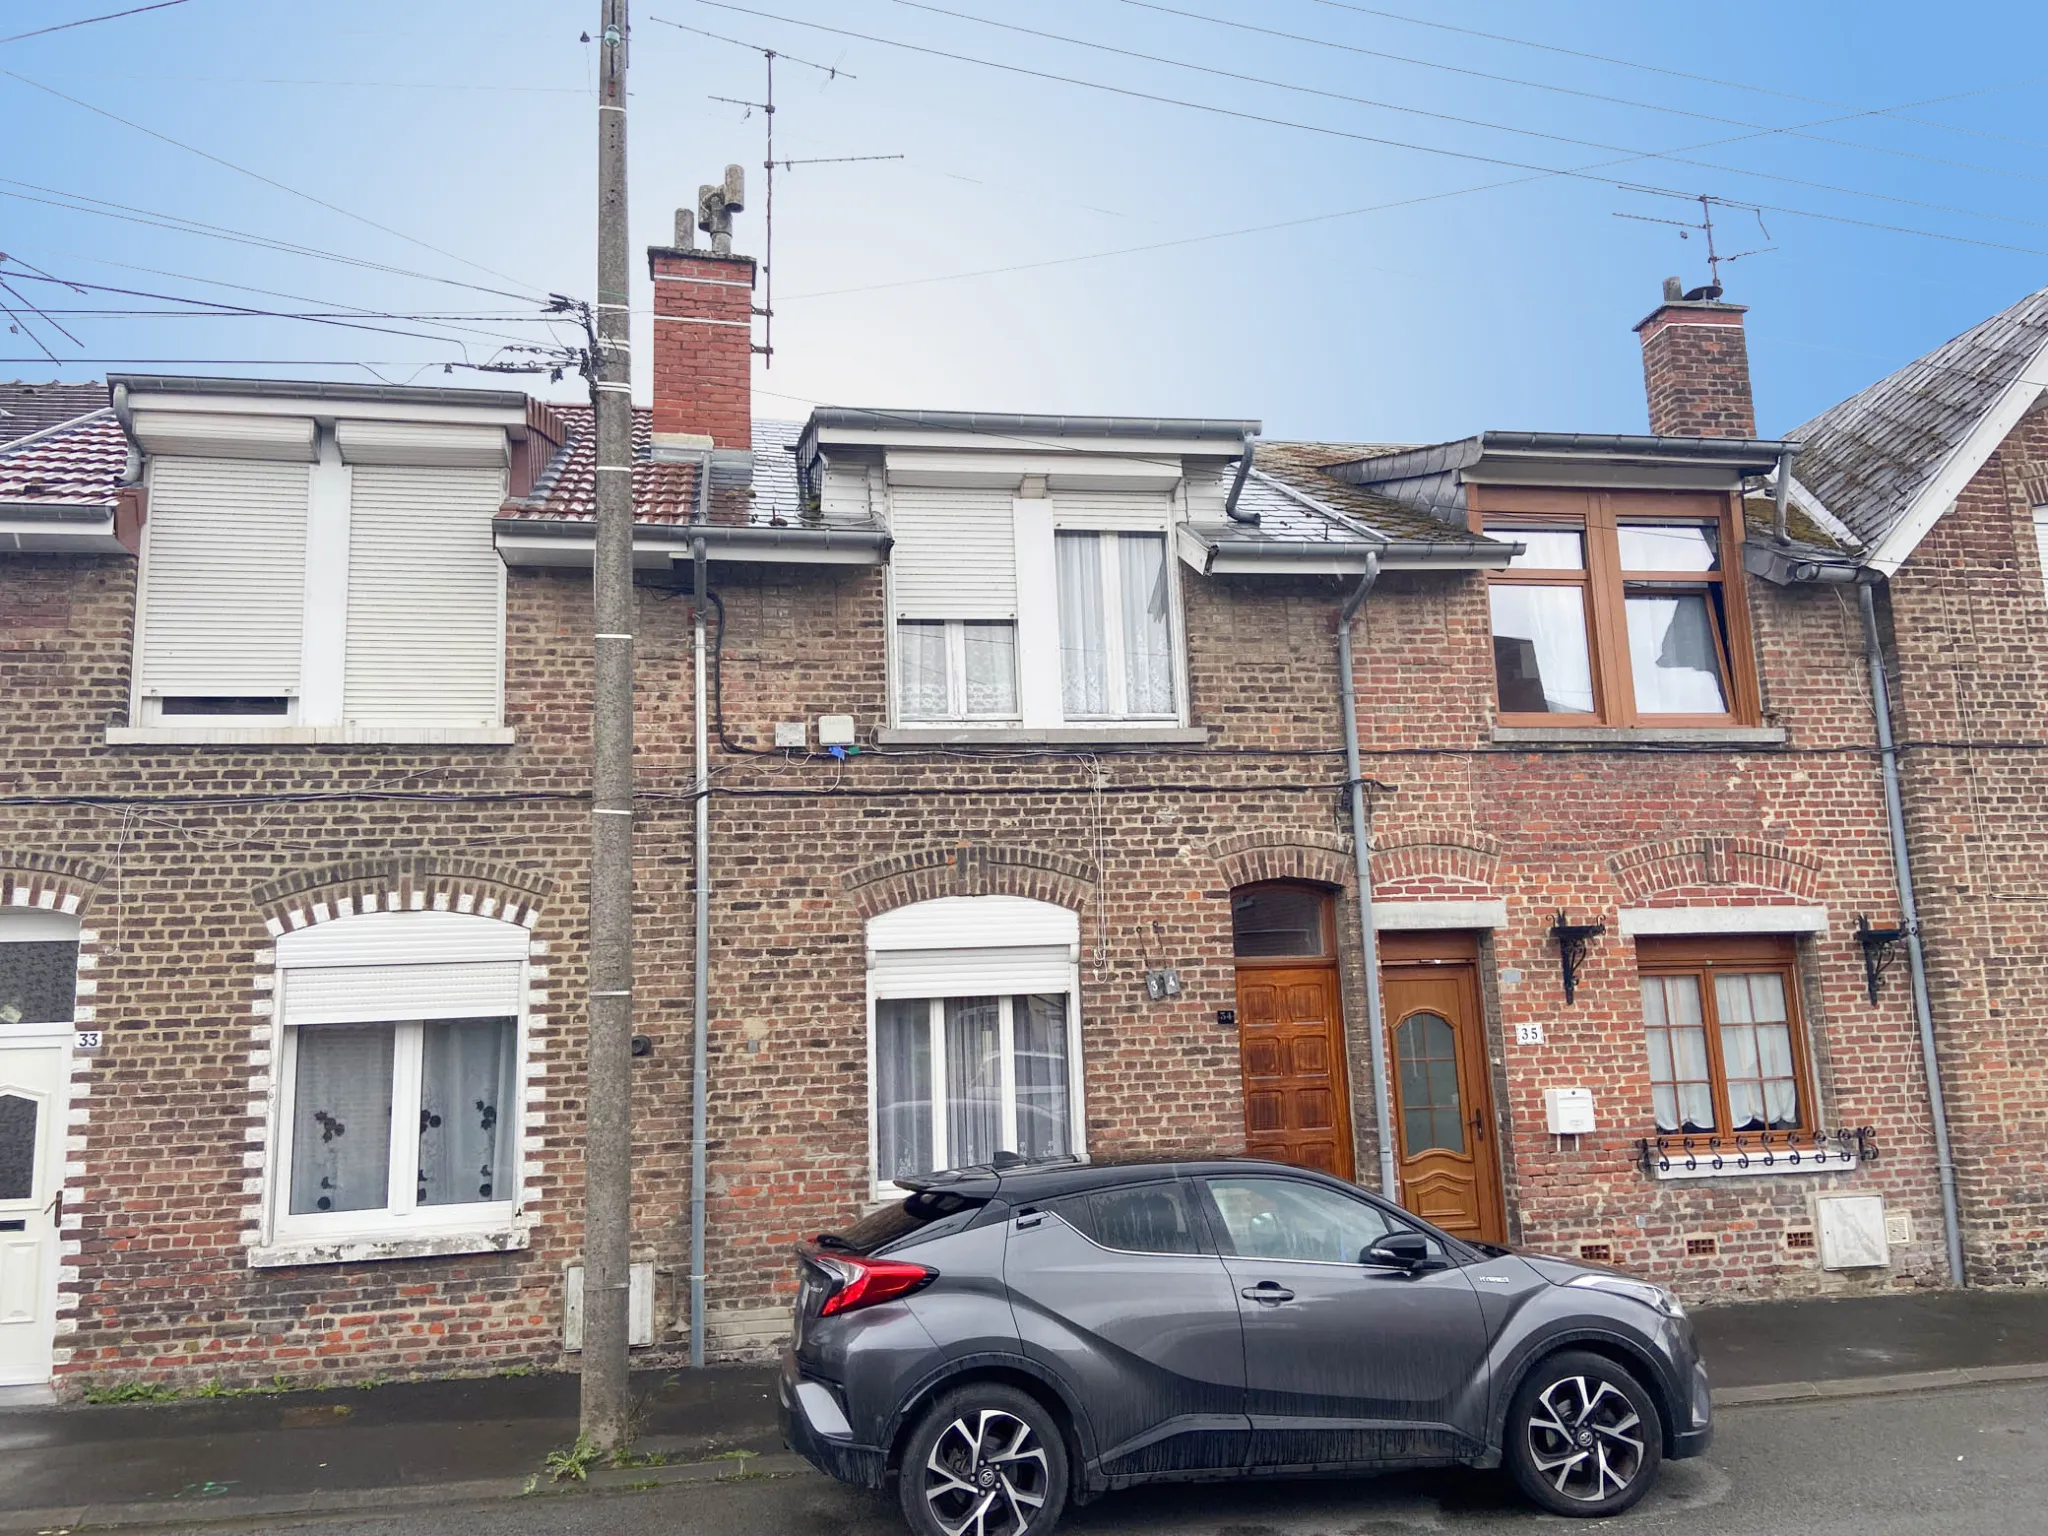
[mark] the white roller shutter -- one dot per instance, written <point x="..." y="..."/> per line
<point x="412" y="442"/>
<point x="424" y="606"/>
<point x="971" y="972"/>
<point x="202" y="435"/>
<point x="955" y="554"/>
<point x="224" y="577"/>
<point x="379" y="994"/>
<point x="1122" y="511"/>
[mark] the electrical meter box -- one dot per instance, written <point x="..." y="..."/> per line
<point x="1568" y="1111"/>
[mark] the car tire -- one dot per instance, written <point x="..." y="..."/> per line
<point x="989" y="1447"/>
<point x="1583" y="1437"/>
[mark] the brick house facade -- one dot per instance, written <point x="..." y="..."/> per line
<point x="219" y="874"/>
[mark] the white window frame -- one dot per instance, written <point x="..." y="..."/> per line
<point x="957" y="712"/>
<point x="976" y="929"/>
<point x="401" y="1228"/>
<point x="1109" y="542"/>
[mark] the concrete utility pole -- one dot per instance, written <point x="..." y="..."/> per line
<point x="608" y="1113"/>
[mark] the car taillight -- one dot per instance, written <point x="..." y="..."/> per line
<point x="859" y="1282"/>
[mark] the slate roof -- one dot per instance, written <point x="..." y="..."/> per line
<point x="665" y="491"/>
<point x="1870" y="457"/>
<point x="77" y="463"/>
<point x="1302" y="466"/>
<point x="26" y="408"/>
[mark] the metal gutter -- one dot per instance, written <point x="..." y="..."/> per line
<point x="1909" y="914"/>
<point x="312" y="389"/>
<point x="1347" y="557"/>
<point x="1347" y="702"/>
<point x="737" y="543"/>
<point x="1463" y="453"/>
<point x="861" y="419"/>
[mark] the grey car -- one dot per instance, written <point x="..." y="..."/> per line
<point x="1010" y="1338"/>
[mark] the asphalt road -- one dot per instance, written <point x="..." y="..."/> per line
<point x="1946" y="1463"/>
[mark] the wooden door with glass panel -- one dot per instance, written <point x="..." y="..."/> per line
<point x="1443" y="1105"/>
<point x="1297" y="1108"/>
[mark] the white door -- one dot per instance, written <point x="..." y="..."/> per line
<point x="31" y="1178"/>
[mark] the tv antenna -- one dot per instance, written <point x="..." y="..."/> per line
<point x="767" y="110"/>
<point x="1708" y="203"/>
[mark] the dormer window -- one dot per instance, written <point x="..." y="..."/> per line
<point x="1619" y="611"/>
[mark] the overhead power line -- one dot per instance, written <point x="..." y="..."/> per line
<point x="243" y="170"/>
<point x="86" y="21"/>
<point x="1675" y="158"/>
<point x="1539" y="171"/>
<point x="1675" y="74"/>
<point x="1599" y="96"/>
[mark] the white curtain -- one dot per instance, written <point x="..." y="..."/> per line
<point x="903" y="1087"/>
<point x="1148" y="645"/>
<point x="1039" y="1035"/>
<point x="1540" y="657"/>
<point x="1672" y="652"/>
<point x="1756" y="1049"/>
<point x="974" y="1081"/>
<point x="466" y="1095"/>
<point x="1681" y="1082"/>
<point x="921" y="670"/>
<point x="341" y="1118"/>
<point x="991" y="665"/>
<point x="1084" y="640"/>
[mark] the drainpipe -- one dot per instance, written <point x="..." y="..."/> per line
<point x="1909" y="912"/>
<point x="700" y="1001"/>
<point x="1781" y="489"/>
<point x="1382" y="1107"/>
<point x="1244" y="468"/>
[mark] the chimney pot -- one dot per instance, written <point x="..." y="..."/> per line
<point x="1696" y="365"/>
<point x="686" y="229"/>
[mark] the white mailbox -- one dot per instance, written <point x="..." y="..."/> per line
<point x="1568" y="1111"/>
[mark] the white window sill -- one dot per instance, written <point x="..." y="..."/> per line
<point x="1749" y="1165"/>
<point x="1652" y="735"/>
<point x="309" y="735"/>
<point x="1108" y="733"/>
<point x="288" y="1252"/>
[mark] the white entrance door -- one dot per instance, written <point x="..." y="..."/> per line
<point x="32" y="1105"/>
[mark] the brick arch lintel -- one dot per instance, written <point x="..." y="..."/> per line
<point x="1318" y="858"/>
<point x="1439" y="855"/>
<point x="48" y="881"/>
<point x="1715" y="860"/>
<point x="969" y="869"/>
<point x="408" y="884"/>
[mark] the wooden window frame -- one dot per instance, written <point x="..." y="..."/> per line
<point x="1326" y="927"/>
<point x="1702" y="958"/>
<point x="1597" y="516"/>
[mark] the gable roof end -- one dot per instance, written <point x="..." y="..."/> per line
<point x="1890" y="461"/>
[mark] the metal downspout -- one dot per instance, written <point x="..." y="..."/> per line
<point x="1244" y="468"/>
<point x="1909" y="912"/>
<point x="1781" y="489"/>
<point x="1382" y="1106"/>
<point x="700" y="979"/>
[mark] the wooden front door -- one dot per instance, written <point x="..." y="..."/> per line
<point x="1443" y="1104"/>
<point x="1292" y="1040"/>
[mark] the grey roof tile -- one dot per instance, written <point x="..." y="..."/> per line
<point x="26" y="407"/>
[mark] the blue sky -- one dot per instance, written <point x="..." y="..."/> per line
<point x="466" y="130"/>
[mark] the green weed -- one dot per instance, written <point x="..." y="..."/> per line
<point x="573" y="1463"/>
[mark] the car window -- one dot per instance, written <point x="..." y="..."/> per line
<point x="1290" y="1219"/>
<point x="1143" y="1218"/>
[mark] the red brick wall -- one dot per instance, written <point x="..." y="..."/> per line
<point x="1696" y="372"/>
<point x="1970" y="634"/>
<point x="1144" y="844"/>
<point x="703" y="345"/>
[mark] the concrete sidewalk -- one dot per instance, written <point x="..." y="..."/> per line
<point x="202" y="1460"/>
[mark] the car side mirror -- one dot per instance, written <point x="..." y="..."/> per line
<point x="1398" y="1250"/>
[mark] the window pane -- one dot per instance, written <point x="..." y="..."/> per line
<point x="903" y="1088"/>
<point x="19" y="1119"/>
<point x="1277" y="920"/>
<point x="1084" y="645"/>
<point x="1756" y="1049"/>
<point x="1152" y="1218"/>
<point x="1669" y="547"/>
<point x="991" y="669"/>
<point x="921" y="670"/>
<point x="1672" y="651"/>
<point x="466" y="1098"/>
<point x="1431" y="1116"/>
<point x="1148" y="634"/>
<point x="38" y="981"/>
<point x="341" y="1118"/>
<point x="1548" y="549"/>
<point x="1044" y="1119"/>
<point x="1540" y="659"/>
<point x="1283" y="1219"/>
<point x="1681" y="1082"/>
<point x="974" y="1081"/>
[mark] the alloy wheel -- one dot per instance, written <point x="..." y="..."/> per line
<point x="1585" y="1438"/>
<point x="986" y="1475"/>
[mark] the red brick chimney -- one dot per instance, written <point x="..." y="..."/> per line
<point x="704" y="329"/>
<point x="1696" y="365"/>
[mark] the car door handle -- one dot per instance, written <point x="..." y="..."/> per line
<point x="1267" y="1291"/>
